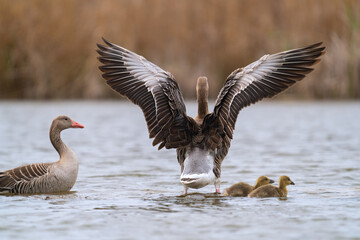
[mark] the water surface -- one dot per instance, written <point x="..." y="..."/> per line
<point x="126" y="189"/>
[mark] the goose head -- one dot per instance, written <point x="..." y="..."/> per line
<point x="263" y="180"/>
<point x="202" y="88"/>
<point x="202" y="93"/>
<point x="285" y="181"/>
<point x="64" y="122"/>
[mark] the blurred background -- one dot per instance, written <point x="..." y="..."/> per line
<point x="47" y="48"/>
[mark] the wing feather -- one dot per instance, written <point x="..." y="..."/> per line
<point x="153" y="89"/>
<point x="266" y="77"/>
<point x="11" y="180"/>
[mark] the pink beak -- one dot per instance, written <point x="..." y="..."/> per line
<point x="76" y="125"/>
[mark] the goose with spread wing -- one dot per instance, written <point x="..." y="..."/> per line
<point x="202" y="142"/>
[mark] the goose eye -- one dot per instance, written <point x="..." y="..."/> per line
<point x="66" y="119"/>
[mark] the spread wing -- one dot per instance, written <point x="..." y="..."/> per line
<point x="153" y="89"/>
<point x="266" y="77"/>
<point x="15" y="179"/>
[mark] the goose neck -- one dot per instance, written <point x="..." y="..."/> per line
<point x="202" y="92"/>
<point x="56" y="141"/>
<point x="282" y="187"/>
<point x="257" y="184"/>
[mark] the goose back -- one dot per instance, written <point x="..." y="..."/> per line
<point x="272" y="191"/>
<point x="267" y="191"/>
<point x="240" y="189"/>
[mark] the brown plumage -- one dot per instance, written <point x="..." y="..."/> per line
<point x="45" y="177"/>
<point x="272" y="191"/>
<point x="201" y="142"/>
<point x="243" y="189"/>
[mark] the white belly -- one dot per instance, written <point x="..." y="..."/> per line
<point x="198" y="169"/>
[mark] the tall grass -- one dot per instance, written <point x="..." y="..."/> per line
<point x="47" y="48"/>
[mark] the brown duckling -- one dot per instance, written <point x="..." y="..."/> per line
<point x="272" y="191"/>
<point x="242" y="189"/>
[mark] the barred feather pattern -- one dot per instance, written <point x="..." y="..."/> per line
<point x="264" y="78"/>
<point x="30" y="178"/>
<point x="154" y="90"/>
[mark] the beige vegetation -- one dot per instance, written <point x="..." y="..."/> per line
<point x="47" y="48"/>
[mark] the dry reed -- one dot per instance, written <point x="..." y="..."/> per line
<point x="47" y="48"/>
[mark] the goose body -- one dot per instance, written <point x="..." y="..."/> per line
<point x="58" y="176"/>
<point x="272" y="191"/>
<point x="243" y="189"/>
<point x="202" y="142"/>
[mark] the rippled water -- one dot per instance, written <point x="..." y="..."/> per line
<point x="126" y="189"/>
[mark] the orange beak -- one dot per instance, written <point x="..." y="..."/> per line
<point x="76" y="125"/>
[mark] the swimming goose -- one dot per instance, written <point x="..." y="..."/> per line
<point x="243" y="189"/>
<point x="202" y="142"/>
<point x="58" y="176"/>
<point x="272" y="191"/>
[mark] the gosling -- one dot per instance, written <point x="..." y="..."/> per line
<point x="272" y="191"/>
<point x="242" y="189"/>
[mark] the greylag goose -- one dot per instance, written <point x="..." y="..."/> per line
<point x="58" y="176"/>
<point x="272" y="191"/>
<point x="202" y="142"/>
<point x="243" y="189"/>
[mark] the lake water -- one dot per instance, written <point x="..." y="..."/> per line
<point x="126" y="189"/>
